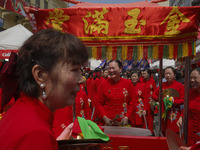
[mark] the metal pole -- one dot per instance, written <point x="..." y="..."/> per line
<point x="186" y="98"/>
<point x="160" y="96"/>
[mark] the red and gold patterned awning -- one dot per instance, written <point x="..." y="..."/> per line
<point x="128" y="32"/>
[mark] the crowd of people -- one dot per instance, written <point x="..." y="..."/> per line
<point x="47" y="78"/>
<point x="115" y="96"/>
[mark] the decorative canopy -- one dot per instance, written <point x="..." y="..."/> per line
<point x="126" y="32"/>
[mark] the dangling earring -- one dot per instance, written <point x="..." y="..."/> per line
<point x="44" y="95"/>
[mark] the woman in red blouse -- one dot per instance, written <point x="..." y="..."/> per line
<point x="48" y="70"/>
<point x="149" y="88"/>
<point x="173" y="113"/>
<point x="139" y="110"/>
<point x="115" y="96"/>
<point x="194" y="108"/>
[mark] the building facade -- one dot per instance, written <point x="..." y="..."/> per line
<point x="9" y="18"/>
<point x="184" y="2"/>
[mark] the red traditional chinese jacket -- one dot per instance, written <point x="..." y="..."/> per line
<point x="115" y="98"/>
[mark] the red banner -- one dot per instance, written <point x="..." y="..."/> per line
<point x="157" y="1"/>
<point x="18" y="7"/>
<point x="137" y="25"/>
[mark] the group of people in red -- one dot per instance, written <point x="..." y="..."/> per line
<point x="46" y="81"/>
<point x="130" y="99"/>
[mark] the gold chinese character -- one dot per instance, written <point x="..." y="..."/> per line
<point x="123" y="148"/>
<point x="132" y="23"/>
<point x="174" y="19"/>
<point x="56" y="18"/>
<point x="99" y="25"/>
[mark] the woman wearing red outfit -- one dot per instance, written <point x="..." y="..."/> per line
<point x="139" y="110"/>
<point x="115" y="96"/>
<point x="194" y="108"/>
<point x="48" y="70"/>
<point x="82" y="106"/>
<point x="149" y="88"/>
<point x="174" y="112"/>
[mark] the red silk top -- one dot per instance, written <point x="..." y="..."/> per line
<point x="88" y="84"/>
<point x="115" y="98"/>
<point x="194" y="117"/>
<point x="174" y="112"/>
<point x="139" y="104"/>
<point x="149" y="88"/>
<point x="27" y="125"/>
<point x="62" y="118"/>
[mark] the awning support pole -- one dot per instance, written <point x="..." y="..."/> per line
<point x="186" y="98"/>
<point x="160" y="96"/>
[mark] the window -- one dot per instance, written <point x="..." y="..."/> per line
<point x="37" y="3"/>
<point x="45" y="4"/>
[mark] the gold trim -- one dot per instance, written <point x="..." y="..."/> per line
<point x="138" y="37"/>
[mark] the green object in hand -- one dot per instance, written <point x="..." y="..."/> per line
<point x="168" y="104"/>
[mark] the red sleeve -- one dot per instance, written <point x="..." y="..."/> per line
<point x="35" y="141"/>
<point x="132" y="100"/>
<point x="97" y="83"/>
<point x="195" y="147"/>
<point x="100" y="100"/>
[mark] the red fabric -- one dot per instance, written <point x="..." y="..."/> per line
<point x="88" y="85"/>
<point x="82" y="106"/>
<point x="96" y="5"/>
<point x="76" y="128"/>
<point x="5" y="54"/>
<point x="8" y="81"/>
<point x="2" y="2"/>
<point x="195" y="147"/>
<point x="62" y="118"/>
<point x="137" y="119"/>
<point x="128" y="142"/>
<point x="149" y="88"/>
<point x="27" y="126"/>
<point x="99" y="49"/>
<point x="91" y="89"/>
<point x="82" y="87"/>
<point x="72" y="1"/>
<point x="7" y="106"/>
<point x="111" y="33"/>
<point x="157" y="1"/>
<point x="194" y="117"/>
<point x="175" y="110"/>
<point x="96" y="114"/>
<point x="111" y="97"/>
